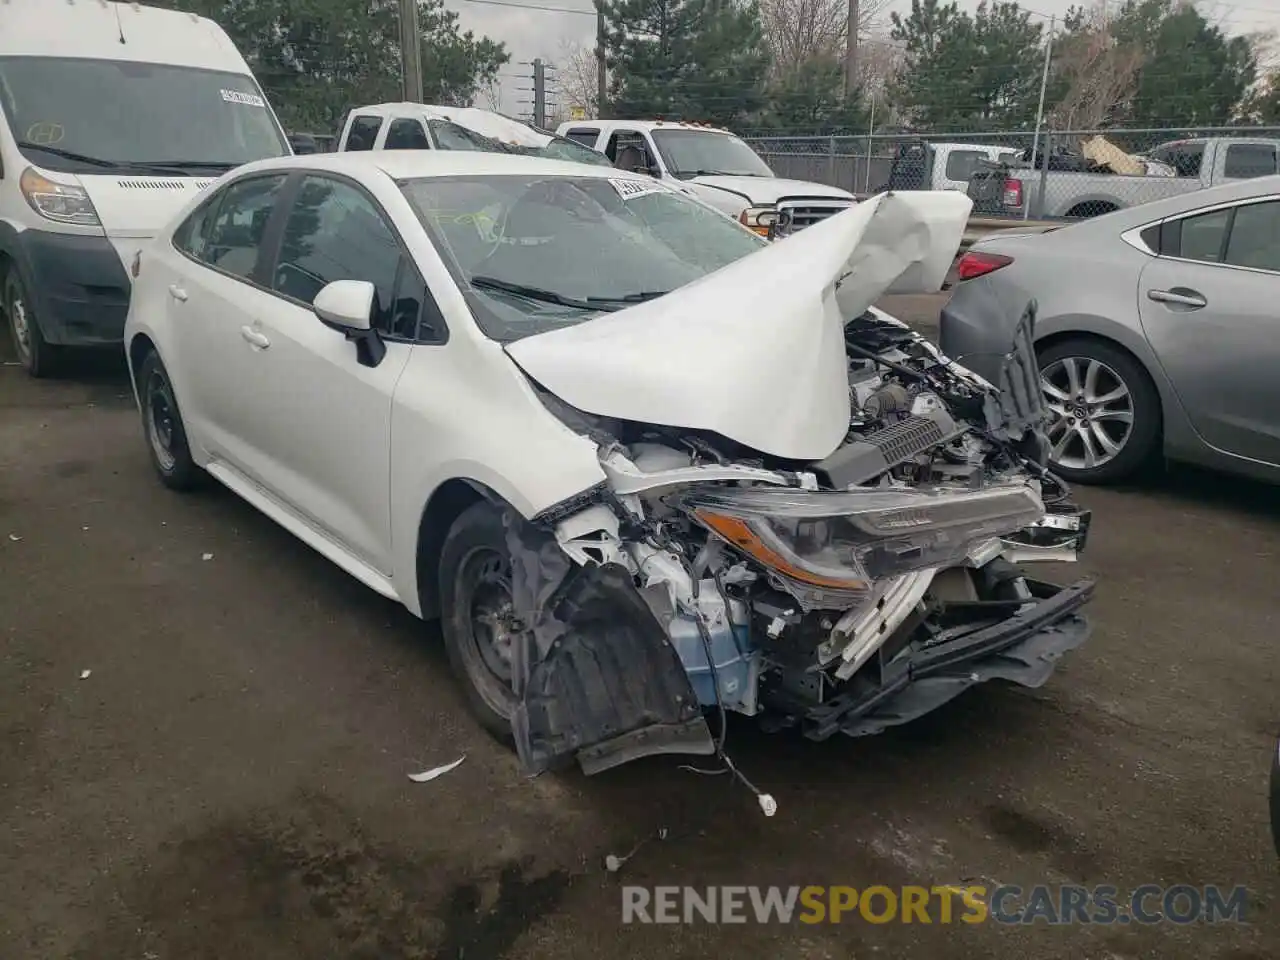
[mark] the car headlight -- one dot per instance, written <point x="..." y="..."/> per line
<point x="63" y="202"/>
<point x="759" y="219"/>
<point x="841" y="541"/>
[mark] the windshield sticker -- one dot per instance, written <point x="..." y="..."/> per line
<point x="248" y="99"/>
<point x="45" y="134"/>
<point x="630" y="189"/>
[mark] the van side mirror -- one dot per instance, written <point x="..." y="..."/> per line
<point x="347" y="306"/>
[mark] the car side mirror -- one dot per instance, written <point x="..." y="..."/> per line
<point x="347" y="306"/>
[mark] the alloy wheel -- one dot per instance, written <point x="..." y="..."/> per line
<point x="1092" y="412"/>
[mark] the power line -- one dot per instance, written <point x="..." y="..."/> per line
<point x="533" y="6"/>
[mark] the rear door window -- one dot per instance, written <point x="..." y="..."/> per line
<point x="1254" y="240"/>
<point x="227" y="232"/>
<point x="963" y="164"/>
<point x="406" y="134"/>
<point x="1202" y="237"/>
<point x="363" y="133"/>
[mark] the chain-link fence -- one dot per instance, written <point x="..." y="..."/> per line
<point x="1075" y="173"/>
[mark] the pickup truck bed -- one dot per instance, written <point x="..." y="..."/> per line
<point x="1007" y="190"/>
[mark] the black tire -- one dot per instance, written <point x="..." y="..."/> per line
<point x="163" y="429"/>
<point x="1141" y="443"/>
<point x="475" y="614"/>
<point x="1091" y="208"/>
<point x="37" y="356"/>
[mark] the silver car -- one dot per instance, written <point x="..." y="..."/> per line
<point x="1157" y="330"/>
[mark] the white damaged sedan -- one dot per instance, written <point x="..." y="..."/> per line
<point x="642" y="464"/>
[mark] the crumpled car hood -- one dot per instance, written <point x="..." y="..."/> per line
<point x="755" y="351"/>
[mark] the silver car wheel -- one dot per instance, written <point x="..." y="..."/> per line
<point x="21" y="327"/>
<point x="1092" y="412"/>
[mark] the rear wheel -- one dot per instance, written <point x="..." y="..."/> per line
<point x="37" y="356"/>
<point x="1106" y="412"/>
<point x="478" y="615"/>
<point x="162" y="425"/>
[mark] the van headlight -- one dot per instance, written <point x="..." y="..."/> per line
<point x="62" y="202"/>
<point x="843" y="541"/>
<point x="759" y="219"/>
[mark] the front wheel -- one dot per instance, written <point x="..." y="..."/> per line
<point x="1105" y="411"/>
<point x="37" y="356"/>
<point x="163" y="428"/>
<point x="478" y="615"/>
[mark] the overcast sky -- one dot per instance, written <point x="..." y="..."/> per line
<point x="530" y="33"/>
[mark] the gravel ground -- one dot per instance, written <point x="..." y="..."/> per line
<point x="229" y="779"/>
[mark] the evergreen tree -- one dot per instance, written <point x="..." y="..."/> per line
<point x="696" y="59"/>
<point x="1192" y="75"/>
<point x="968" y="72"/>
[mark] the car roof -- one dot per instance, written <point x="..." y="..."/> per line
<point x="416" y="164"/>
<point x="643" y="125"/>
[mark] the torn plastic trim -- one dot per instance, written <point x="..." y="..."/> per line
<point x="1017" y="407"/>
<point x="624" y="477"/>
<point x="867" y="627"/>
<point x="571" y="505"/>
<point x="593" y="671"/>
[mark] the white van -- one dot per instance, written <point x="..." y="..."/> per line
<point x="112" y="115"/>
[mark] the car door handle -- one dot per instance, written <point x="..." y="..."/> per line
<point x="255" y="338"/>
<point x="177" y="293"/>
<point x="1188" y="299"/>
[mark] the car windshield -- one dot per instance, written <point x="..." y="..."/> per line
<point x="533" y="253"/>
<point x="562" y="148"/>
<point x="689" y="153"/>
<point x="78" y="115"/>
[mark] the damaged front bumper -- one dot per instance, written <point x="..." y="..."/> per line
<point x="1022" y="649"/>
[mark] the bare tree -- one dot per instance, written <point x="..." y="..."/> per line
<point x="490" y="93"/>
<point x="576" y="78"/>
<point x="798" y="30"/>
<point x="1097" y="73"/>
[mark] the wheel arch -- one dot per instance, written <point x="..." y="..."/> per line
<point x="139" y="347"/>
<point x="446" y="503"/>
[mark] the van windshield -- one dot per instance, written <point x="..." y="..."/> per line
<point x="79" y="115"/>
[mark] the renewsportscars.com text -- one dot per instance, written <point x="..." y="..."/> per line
<point x="1007" y="904"/>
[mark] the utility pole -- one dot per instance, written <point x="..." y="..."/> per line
<point x="851" y="51"/>
<point x="539" y="93"/>
<point x="1035" y="141"/>
<point x="410" y="51"/>
<point x="602" y="87"/>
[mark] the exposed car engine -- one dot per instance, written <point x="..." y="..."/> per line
<point x="844" y="595"/>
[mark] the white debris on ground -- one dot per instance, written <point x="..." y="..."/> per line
<point x="428" y="775"/>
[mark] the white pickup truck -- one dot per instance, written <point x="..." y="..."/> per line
<point x="1007" y="190"/>
<point x="421" y="126"/>
<point x="716" y="167"/>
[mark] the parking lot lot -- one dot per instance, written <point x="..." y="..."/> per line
<point x="229" y="779"/>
